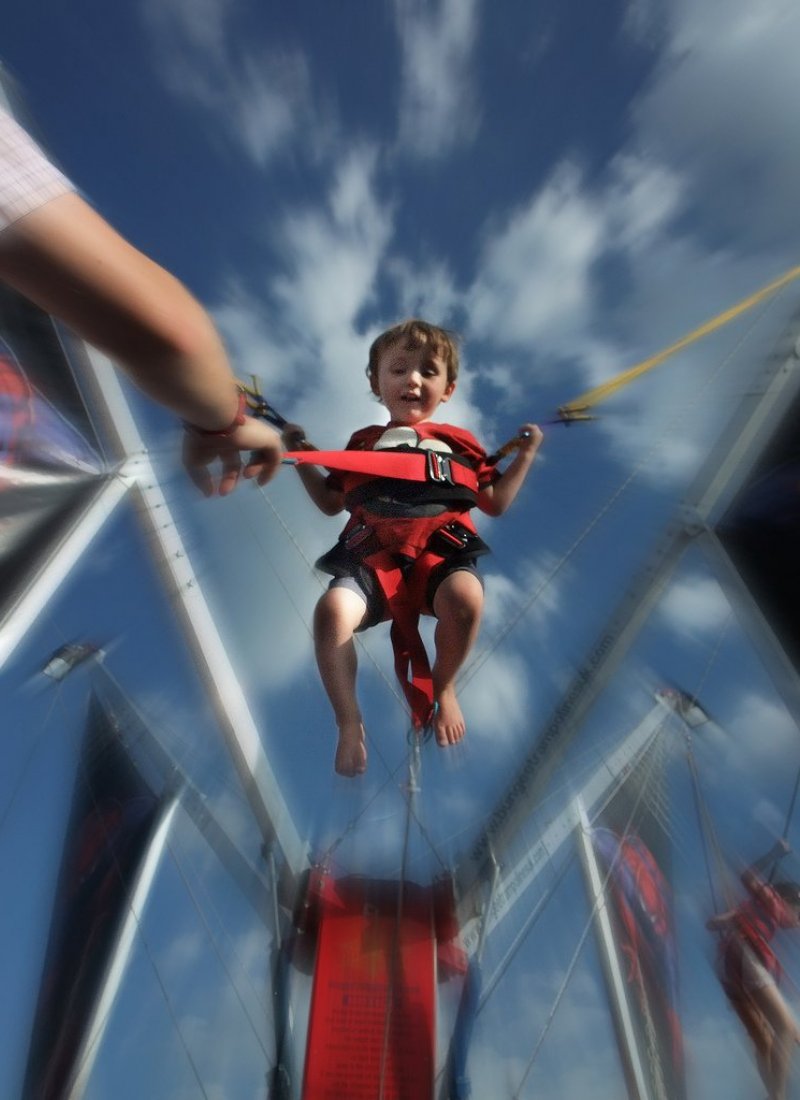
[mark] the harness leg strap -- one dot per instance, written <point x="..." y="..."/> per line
<point x="411" y="663"/>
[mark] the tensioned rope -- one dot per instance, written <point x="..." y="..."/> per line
<point x="712" y="852"/>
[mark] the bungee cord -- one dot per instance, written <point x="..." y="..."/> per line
<point x="477" y="662"/>
<point x="599" y="393"/>
<point x="201" y="914"/>
<point x="566" y="865"/>
<point x="572" y="965"/>
<point x="414" y="765"/>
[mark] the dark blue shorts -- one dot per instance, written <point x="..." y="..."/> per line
<point x="365" y="584"/>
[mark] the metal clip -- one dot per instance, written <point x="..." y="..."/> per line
<point x="439" y="467"/>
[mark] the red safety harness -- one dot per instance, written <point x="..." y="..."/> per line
<point x="403" y="551"/>
<point x="752" y="927"/>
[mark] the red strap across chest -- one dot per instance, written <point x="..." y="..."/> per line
<point x="404" y="465"/>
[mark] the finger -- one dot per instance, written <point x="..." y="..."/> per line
<point x="231" y="468"/>
<point x="195" y="465"/>
<point x="253" y="464"/>
<point x="202" y="479"/>
<point x="269" y="467"/>
<point x="262" y="465"/>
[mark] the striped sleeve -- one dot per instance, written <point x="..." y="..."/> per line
<point x="28" y="179"/>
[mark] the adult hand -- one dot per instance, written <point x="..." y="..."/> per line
<point x="200" y="452"/>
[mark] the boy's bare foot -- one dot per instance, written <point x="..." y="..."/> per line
<point x="448" y="721"/>
<point x="351" y="749"/>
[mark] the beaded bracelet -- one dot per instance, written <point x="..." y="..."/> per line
<point x="222" y="433"/>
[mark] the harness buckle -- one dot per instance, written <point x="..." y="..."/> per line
<point x="453" y="536"/>
<point x="438" y="467"/>
<point x="357" y="536"/>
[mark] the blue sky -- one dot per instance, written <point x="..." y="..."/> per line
<point x="571" y="191"/>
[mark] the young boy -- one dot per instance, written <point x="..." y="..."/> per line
<point x="412" y="370"/>
<point x="750" y="971"/>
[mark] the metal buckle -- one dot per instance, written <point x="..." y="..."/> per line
<point x="455" y="534"/>
<point x="358" y="535"/>
<point x="438" y="468"/>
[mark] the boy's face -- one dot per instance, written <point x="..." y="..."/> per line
<point x="412" y="382"/>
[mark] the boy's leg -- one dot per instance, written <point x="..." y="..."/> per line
<point x="769" y="1000"/>
<point x="760" y="1033"/>
<point x="457" y="605"/>
<point x="339" y="612"/>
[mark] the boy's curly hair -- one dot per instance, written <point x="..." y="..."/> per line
<point x="415" y="333"/>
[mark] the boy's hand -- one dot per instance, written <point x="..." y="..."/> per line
<point x="200" y="452"/>
<point x="530" y="439"/>
<point x="294" y="438"/>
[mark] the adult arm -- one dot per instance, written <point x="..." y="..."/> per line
<point x="64" y="257"/>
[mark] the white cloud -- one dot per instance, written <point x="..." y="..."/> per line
<point x="427" y="291"/>
<point x="301" y="331"/>
<point x="763" y="728"/>
<point x="200" y="22"/>
<point x="533" y="288"/>
<point x="532" y="599"/>
<point x="537" y="292"/>
<point x="332" y="253"/>
<point x="497" y="702"/>
<point x="260" y="98"/>
<point x="282" y="531"/>
<point x="642" y="198"/>
<point x="719" y="1061"/>
<point x="438" y="109"/>
<point x="252" y="343"/>
<point x="771" y="816"/>
<point x="695" y="606"/>
<point x="270" y="101"/>
<point x="581" y="1021"/>
<point x="721" y="107"/>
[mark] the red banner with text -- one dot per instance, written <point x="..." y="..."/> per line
<point x="371" y="1025"/>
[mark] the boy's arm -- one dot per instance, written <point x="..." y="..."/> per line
<point x="753" y="876"/>
<point x="328" y="499"/>
<point x="753" y="879"/>
<point x="497" y="498"/>
<point x="720" y="920"/>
